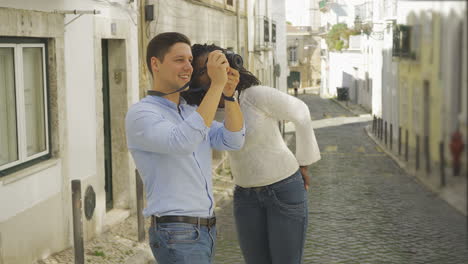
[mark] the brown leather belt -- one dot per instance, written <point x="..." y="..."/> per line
<point x="209" y="222"/>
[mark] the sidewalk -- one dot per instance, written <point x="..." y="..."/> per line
<point x="450" y="193"/>
<point x="455" y="186"/>
<point x="120" y="243"/>
<point x="353" y="108"/>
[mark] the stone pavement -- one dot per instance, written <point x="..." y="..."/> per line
<point x="363" y="208"/>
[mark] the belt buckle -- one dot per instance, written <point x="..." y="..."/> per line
<point x="211" y="221"/>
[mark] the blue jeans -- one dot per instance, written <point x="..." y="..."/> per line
<point x="182" y="243"/>
<point x="271" y="221"/>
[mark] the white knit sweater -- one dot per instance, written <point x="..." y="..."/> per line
<point x="265" y="158"/>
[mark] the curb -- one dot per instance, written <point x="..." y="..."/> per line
<point x="344" y="106"/>
<point x="431" y="187"/>
<point x="354" y="112"/>
<point x="401" y="164"/>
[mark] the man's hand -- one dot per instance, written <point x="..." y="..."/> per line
<point x="217" y="67"/>
<point x="305" y="176"/>
<point x="233" y="80"/>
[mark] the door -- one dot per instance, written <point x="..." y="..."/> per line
<point x="107" y="125"/>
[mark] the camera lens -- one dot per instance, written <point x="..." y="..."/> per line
<point x="235" y="60"/>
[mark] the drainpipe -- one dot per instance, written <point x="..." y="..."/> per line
<point x="238" y="26"/>
<point x="143" y="75"/>
<point x="246" y="39"/>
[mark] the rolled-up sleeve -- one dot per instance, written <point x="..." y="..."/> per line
<point x="223" y="139"/>
<point x="149" y="131"/>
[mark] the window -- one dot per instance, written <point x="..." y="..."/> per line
<point x="293" y="54"/>
<point x="402" y="41"/>
<point x="266" y="30"/>
<point x="405" y="41"/>
<point x="273" y="32"/>
<point x="24" y="133"/>
<point x="396" y="41"/>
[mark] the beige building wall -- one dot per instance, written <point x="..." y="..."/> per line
<point x="308" y="61"/>
<point x="430" y="87"/>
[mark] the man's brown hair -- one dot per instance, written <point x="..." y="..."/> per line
<point x="160" y="45"/>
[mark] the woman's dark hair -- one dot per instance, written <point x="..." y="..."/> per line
<point x="246" y="79"/>
<point x="160" y="45"/>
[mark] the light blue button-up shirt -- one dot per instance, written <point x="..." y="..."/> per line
<point x="171" y="147"/>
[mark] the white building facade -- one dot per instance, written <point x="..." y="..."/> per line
<point x="68" y="77"/>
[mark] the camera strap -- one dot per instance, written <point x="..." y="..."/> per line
<point x="161" y="94"/>
<point x="199" y="89"/>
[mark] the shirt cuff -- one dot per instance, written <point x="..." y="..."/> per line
<point x="237" y="136"/>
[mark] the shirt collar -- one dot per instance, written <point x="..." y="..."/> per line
<point x="165" y="101"/>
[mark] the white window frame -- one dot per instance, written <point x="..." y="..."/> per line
<point x="20" y="108"/>
<point x="293" y="55"/>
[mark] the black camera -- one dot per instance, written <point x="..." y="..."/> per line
<point x="235" y="60"/>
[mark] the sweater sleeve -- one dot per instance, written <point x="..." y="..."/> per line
<point x="282" y="106"/>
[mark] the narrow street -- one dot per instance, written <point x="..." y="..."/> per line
<point x="362" y="207"/>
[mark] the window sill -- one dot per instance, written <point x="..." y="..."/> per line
<point x="16" y="176"/>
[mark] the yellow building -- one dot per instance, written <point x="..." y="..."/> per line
<point x="429" y="48"/>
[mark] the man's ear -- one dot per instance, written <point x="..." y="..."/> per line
<point x="155" y="64"/>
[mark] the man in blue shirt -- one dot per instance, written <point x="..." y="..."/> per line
<point x="171" y="143"/>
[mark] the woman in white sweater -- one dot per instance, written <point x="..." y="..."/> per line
<point x="270" y="197"/>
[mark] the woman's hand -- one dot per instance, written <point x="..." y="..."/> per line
<point x="305" y="176"/>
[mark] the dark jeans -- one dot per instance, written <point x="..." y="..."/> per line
<point x="271" y="221"/>
<point x="182" y="243"/>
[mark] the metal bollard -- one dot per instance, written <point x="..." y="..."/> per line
<point x="380" y="128"/>
<point x="406" y="145"/>
<point x="427" y="154"/>
<point x="442" y="163"/>
<point x="373" y="124"/>
<point x="141" y="219"/>
<point x="391" y="136"/>
<point x="399" y="141"/>
<point x="77" y="222"/>
<point x="417" y="152"/>
<point x="385" y="131"/>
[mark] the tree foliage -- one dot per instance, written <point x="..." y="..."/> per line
<point x="338" y="37"/>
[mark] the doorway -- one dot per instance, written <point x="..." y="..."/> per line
<point x="115" y="105"/>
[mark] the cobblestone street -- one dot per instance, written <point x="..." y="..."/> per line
<point x="362" y="207"/>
